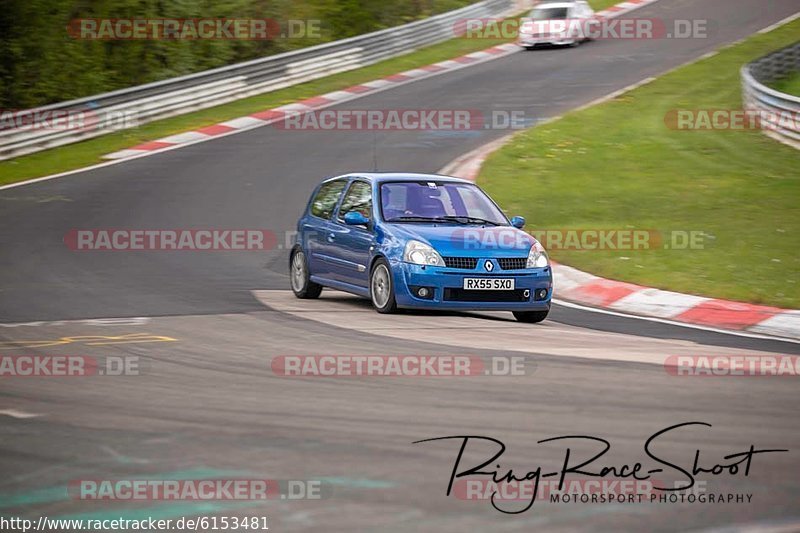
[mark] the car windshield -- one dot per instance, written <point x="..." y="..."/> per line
<point x="432" y="201"/>
<point x="549" y="13"/>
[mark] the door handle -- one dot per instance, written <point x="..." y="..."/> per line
<point x="331" y="237"/>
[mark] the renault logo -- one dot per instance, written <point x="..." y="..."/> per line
<point x="488" y="266"/>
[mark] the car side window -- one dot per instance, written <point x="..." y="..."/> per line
<point x="358" y="198"/>
<point x="325" y="201"/>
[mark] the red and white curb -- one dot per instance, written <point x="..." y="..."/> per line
<point x="587" y="289"/>
<point x="270" y="116"/>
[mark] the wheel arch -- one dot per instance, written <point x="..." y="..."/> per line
<point x="377" y="258"/>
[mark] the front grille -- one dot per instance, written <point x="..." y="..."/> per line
<point x="463" y="295"/>
<point x="512" y="263"/>
<point x="465" y="263"/>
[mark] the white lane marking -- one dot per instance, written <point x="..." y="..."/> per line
<point x="132" y="321"/>
<point x="572" y="305"/>
<point x="13" y="413"/>
<point x="619" y="92"/>
<point x="378" y="86"/>
<point x="780" y="23"/>
<point x="708" y="55"/>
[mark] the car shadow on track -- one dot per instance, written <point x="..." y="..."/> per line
<point x="363" y="304"/>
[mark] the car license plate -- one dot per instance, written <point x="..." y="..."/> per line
<point x="489" y="284"/>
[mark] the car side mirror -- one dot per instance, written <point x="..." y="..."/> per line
<point x="518" y="222"/>
<point x="354" y="218"/>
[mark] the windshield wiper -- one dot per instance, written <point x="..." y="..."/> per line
<point x="424" y="219"/>
<point x="470" y="220"/>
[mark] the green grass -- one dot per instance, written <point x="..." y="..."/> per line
<point x="599" y="5"/>
<point x="617" y="165"/>
<point x="89" y="152"/>
<point x="789" y="85"/>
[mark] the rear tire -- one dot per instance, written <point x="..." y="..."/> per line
<point x="381" y="287"/>
<point x="300" y="278"/>
<point x="531" y="317"/>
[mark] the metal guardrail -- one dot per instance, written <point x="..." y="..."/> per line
<point x="107" y="112"/>
<point x="778" y="112"/>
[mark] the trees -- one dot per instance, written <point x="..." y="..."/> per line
<point x="41" y="63"/>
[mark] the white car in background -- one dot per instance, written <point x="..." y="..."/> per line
<point x="556" y="23"/>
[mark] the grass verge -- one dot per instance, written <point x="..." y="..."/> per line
<point x="789" y="85"/>
<point x="599" y="5"/>
<point x="617" y="165"/>
<point x="90" y="152"/>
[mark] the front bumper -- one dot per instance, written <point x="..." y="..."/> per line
<point x="528" y="41"/>
<point x="448" y="292"/>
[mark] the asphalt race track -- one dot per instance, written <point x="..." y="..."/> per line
<point x="206" y="327"/>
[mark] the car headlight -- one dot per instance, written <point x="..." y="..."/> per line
<point x="537" y="257"/>
<point x="420" y="253"/>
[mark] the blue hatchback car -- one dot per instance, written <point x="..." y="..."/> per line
<point x="418" y="241"/>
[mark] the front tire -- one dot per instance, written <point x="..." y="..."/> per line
<point x="531" y="317"/>
<point x="300" y="278"/>
<point x="381" y="287"/>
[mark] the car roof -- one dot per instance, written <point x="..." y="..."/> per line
<point x="379" y="177"/>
